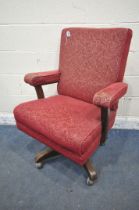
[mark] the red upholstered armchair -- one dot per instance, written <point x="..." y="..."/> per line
<point x="75" y="122"/>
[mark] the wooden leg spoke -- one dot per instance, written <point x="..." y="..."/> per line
<point x="92" y="175"/>
<point x="45" y="154"/>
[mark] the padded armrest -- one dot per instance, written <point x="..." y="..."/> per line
<point x="42" y="78"/>
<point x="110" y="94"/>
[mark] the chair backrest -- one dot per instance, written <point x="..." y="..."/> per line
<point x="91" y="59"/>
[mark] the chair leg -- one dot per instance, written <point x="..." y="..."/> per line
<point x="43" y="155"/>
<point x="92" y="175"/>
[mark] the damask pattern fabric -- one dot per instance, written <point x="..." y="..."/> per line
<point x="91" y="68"/>
<point x="42" y="78"/>
<point x="69" y="122"/>
<point x="110" y="95"/>
<point x="80" y="159"/>
<point x="91" y="59"/>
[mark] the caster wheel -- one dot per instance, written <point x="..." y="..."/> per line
<point x="89" y="181"/>
<point x="39" y="165"/>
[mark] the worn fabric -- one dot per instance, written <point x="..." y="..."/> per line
<point x="69" y="122"/>
<point x="91" y="59"/>
<point x="91" y="68"/>
<point x="42" y="78"/>
<point x="110" y="95"/>
<point x="65" y="122"/>
<point x="79" y="159"/>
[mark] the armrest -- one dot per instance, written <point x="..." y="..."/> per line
<point x="42" y="78"/>
<point x="110" y="94"/>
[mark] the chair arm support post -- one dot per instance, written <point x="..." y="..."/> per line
<point x="39" y="91"/>
<point x="105" y="112"/>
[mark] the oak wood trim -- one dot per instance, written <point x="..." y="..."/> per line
<point x="45" y="154"/>
<point x="39" y="91"/>
<point x="105" y="112"/>
<point x="90" y="169"/>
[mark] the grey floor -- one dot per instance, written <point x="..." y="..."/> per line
<point x="61" y="185"/>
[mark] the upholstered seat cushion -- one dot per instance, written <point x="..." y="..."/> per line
<point x="70" y="123"/>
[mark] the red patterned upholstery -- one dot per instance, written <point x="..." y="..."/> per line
<point x="91" y="69"/>
<point x="62" y="119"/>
<point x="80" y="159"/>
<point x="110" y="94"/>
<point x="42" y="78"/>
<point x="92" y="59"/>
